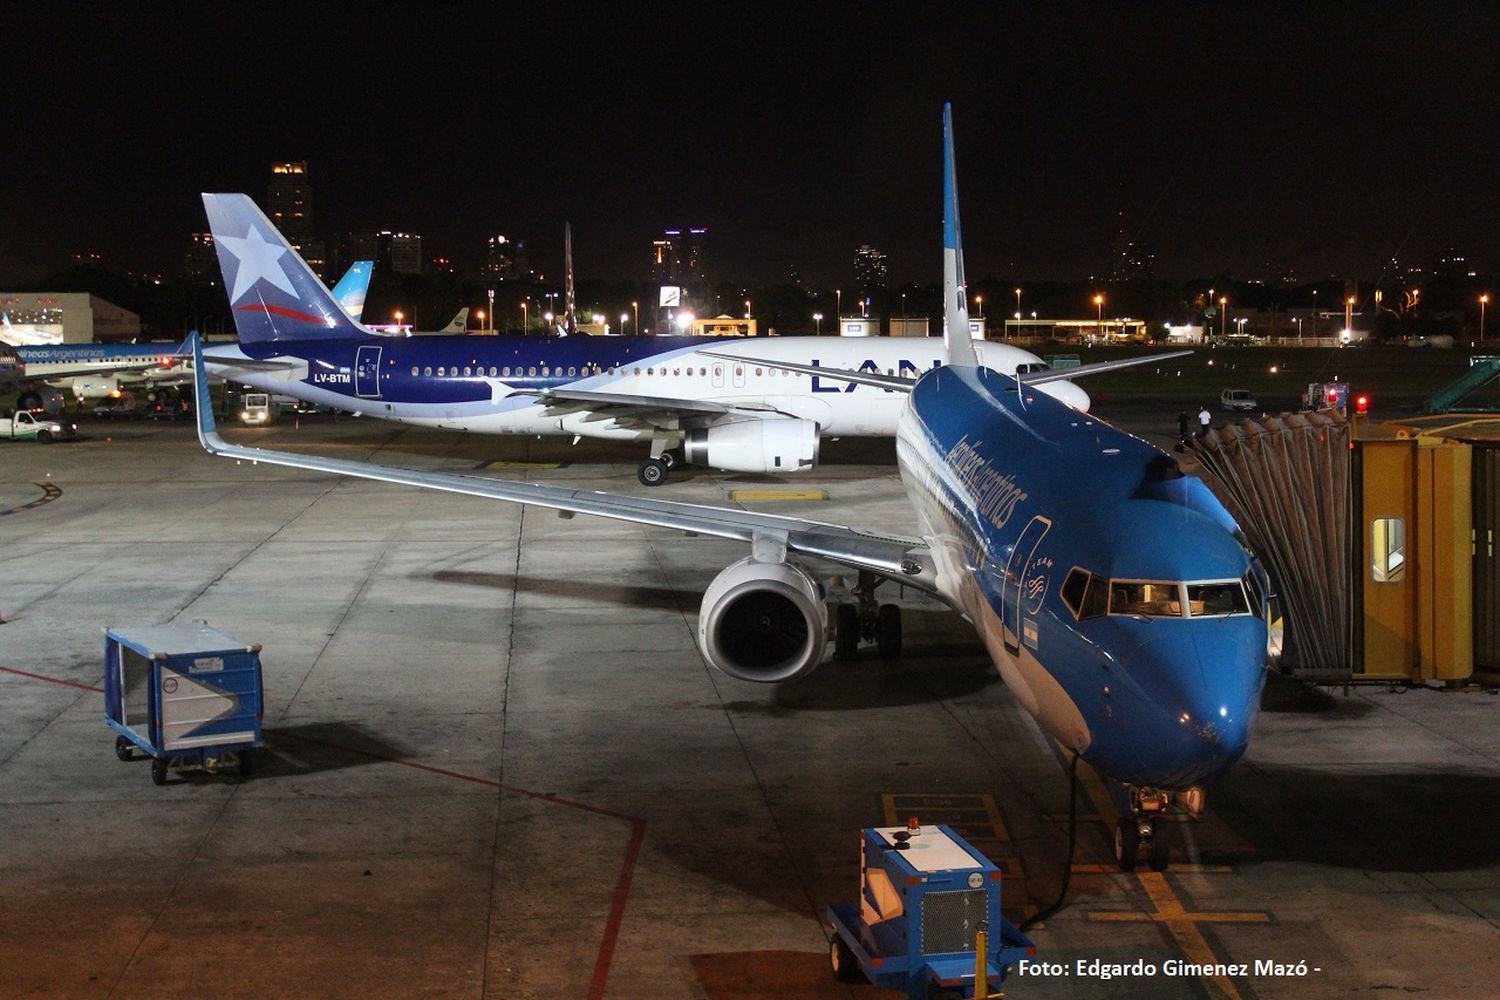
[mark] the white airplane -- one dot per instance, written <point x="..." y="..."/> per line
<point x="676" y="394"/>
<point x="1114" y="595"/>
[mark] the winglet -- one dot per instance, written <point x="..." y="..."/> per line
<point x="203" y="403"/>
<point x="955" y="292"/>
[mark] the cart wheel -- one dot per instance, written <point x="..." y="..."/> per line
<point x="123" y="748"/>
<point x="244" y="764"/>
<point x="845" y="966"/>
<point x="158" y="770"/>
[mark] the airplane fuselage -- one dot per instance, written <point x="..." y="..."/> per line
<point x="1156" y="677"/>
<point x="489" y="384"/>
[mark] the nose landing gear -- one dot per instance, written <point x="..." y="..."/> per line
<point x="1142" y="827"/>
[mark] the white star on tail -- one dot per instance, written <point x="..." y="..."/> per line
<point x="257" y="259"/>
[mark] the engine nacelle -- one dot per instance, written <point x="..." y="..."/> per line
<point x="763" y="621"/>
<point x="778" y="444"/>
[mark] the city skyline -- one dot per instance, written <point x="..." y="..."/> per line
<point x="1223" y="141"/>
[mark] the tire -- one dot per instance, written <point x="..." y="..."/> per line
<point x="888" y="632"/>
<point x="841" y="959"/>
<point x="158" y="770"/>
<point x="653" y="472"/>
<point x="1160" y="854"/>
<point x="845" y="632"/>
<point x="1127" y="844"/>
<point x="124" y="748"/>
<point x="44" y="437"/>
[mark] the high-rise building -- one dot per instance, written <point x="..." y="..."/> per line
<point x="505" y="259"/>
<point x="406" y="253"/>
<point x="200" y="263"/>
<point x="398" y="252"/>
<point x="869" y="269"/>
<point x="289" y="204"/>
<point x="1133" y="260"/>
<point x="677" y="257"/>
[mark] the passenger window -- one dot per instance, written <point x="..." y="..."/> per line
<point x="414" y="369"/>
<point x="427" y="371"/>
<point x="650" y="371"/>
<point x="638" y="371"/>
<point x="571" y="370"/>
<point x="531" y="370"/>
<point x="1216" y="599"/>
<point x="442" y="370"/>
<point x="505" y="370"/>
<point x="1388" y="549"/>
<point x="468" y="370"/>
<point x="493" y="372"/>
<point x="759" y="373"/>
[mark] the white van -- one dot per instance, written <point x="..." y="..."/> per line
<point x="255" y="409"/>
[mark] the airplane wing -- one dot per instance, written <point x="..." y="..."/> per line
<point x="123" y="368"/>
<point x="903" y="384"/>
<point x="906" y="560"/>
<point x="588" y="399"/>
<point x="1082" y="371"/>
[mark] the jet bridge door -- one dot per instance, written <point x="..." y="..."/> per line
<point x="1023" y="587"/>
<point x="367" y="371"/>
<point x="1486" y="514"/>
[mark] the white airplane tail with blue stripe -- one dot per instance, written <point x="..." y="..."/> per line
<point x="273" y="294"/>
<point x="956" y="336"/>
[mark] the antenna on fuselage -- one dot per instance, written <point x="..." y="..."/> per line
<point x="956" y="335"/>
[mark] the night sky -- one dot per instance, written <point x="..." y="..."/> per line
<point x="1325" y="141"/>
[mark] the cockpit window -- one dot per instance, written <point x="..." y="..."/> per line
<point x="1085" y="594"/>
<point x="1073" y="589"/>
<point x="1153" y="599"/>
<point x="1216" y="599"/>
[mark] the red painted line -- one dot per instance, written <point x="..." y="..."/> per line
<point x="52" y="680"/>
<point x="282" y="311"/>
<point x="600" y="978"/>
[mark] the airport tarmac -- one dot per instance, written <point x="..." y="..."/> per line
<point x="498" y="766"/>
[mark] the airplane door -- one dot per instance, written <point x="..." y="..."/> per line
<point x="739" y="375"/>
<point x="1014" y="593"/>
<point x="367" y="371"/>
<point x="718" y="375"/>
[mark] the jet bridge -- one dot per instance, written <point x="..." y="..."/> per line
<point x="1378" y="539"/>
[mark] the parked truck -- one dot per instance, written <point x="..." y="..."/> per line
<point x="23" y="425"/>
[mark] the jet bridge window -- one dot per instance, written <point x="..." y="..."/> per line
<point x="1388" y="549"/>
<point x="1153" y="599"/>
<point x="1205" y="599"/>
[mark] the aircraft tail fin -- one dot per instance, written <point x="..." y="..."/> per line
<point x="459" y="323"/>
<point x="956" y="336"/>
<point x="273" y="294"/>
<point x="351" y="289"/>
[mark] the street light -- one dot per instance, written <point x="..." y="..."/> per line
<point x="1098" y="315"/>
<point x="1484" y="300"/>
<point x="747" y="308"/>
<point x="1239" y="326"/>
<point x="1315" y="314"/>
<point x="903" y="305"/>
<point x="479" y="315"/>
<point x="1349" y="317"/>
<point x="1299" y="330"/>
<point x="525" y="317"/>
<point x="1018" y="303"/>
<point x="399" y="317"/>
<point x="979" y="306"/>
<point x="637" y="307"/>
<point x="818" y="324"/>
<point x="623" y="318"/>
<point x="838" y="301"/>
<point x="1223" y="313"/>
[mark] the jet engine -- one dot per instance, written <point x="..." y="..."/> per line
<point x="763" y="621"/>
<point x="777" y="444"/>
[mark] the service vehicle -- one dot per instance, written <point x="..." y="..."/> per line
<point x="1238" y="401"/>
<point x="117" y="405"/>
<point x="23" y="425"/>
<point x="256" y="409"/>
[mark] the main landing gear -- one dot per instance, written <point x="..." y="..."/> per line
<point x="868" y="620"/>
<point x="1141" y="831"/>
<point x="653" y="471"/>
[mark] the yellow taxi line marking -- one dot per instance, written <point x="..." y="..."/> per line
<point x="778" y="494"/>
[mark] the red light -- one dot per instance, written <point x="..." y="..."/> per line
<point x="1333" y="395"/>
<point x="1362" y="404"/>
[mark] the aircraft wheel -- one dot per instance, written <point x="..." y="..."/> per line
<point x="44" y="437"/>
<point x="123" y="748"/>
<point x="845" y="632"/>
<point x="888" y="632"/>
<point x="1127" y="843"/>
<point x="841" y="957"/>
<point x="1160" y="855"/>
<point x="158" y="770"/>
<point x="653" y="472"/>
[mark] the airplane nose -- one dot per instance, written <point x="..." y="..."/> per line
<point x="1069" y="393"/>
<point x="1204" y="690"/>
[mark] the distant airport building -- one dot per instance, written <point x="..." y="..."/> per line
<point x="42" y="318"/>
<point x="725" y="326"/>
<point x="859" y="326"/>
<point x="869" y="269"/>
<point x="289" y="204"/>
<point x="910" y="326"/>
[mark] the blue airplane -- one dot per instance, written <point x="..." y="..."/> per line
<point x="736" y="413"/>
<point x="1116" y="597"/>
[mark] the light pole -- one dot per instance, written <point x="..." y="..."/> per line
<point x="636" y="306"/>
<point x="1349" y="318"/>
<point x="525" y="317"/>
<point x="1315" y="314"/>
<point x="747" y="308"/>
<point x="838" y="302"/>
<point x="1239" y="326"/>
<point x="481" y="319"/>
<point x="1484" y="300"/>
<point x="399" y="317"/>
<point x="1018" y="303"/>
<point x="1223" y="314"/>
<point x="979" y="306"/>
<point x="903" y="305"/>
<point x="817" y="324"/>
<point x="623" y="318"/>
<point x="1098" y="315"/>
<point x="1299" y="331"/>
